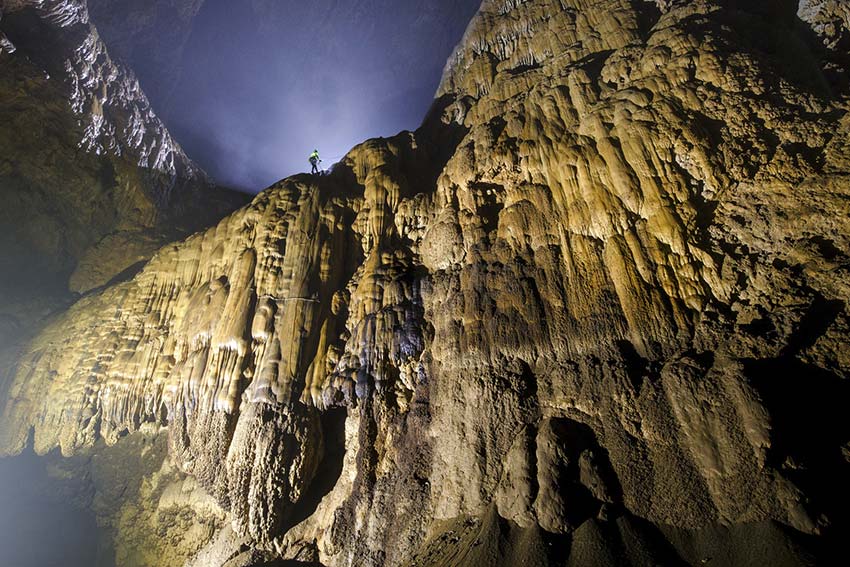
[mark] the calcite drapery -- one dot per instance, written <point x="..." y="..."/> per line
<point x="581" y="299"/>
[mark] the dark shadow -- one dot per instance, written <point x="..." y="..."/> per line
<point x="637" y="367"/>
<point x="443" y="138"/>
<point x="772" y="33"/>
<point x="36" y="39"/>
<point x="626" y="540"/>
<point x="490" y="207"/>
<point x="595" y="62"/>
<point x="578" y="442"/>
<point x="753" y="544"/>
<point x="330" y="469"/>
<point x="648" y="15"/>
<point x="520" y="69"/>
<point x="809" y="427"/>
<point x="762" y="327"/>
<point x="125" y="275"/>
<point x="826" y="247"/>
<point x="636" y="533"/>
<point x="821" y="314"/>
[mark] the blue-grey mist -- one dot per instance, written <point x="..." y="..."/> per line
<point x="263" y="83"/>
<point x="44" y="521"/>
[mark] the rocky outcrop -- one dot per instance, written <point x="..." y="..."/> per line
<point x="91" y="180"/>
<point x="830" y="20"/>
<point x="114" y="112"/>
<point x="592" y="312"/>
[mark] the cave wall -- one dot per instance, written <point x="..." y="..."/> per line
<point x="92" y="181"/>
<point x="594" y="310"/>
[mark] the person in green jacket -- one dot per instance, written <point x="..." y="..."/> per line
<point x="315" y="161"/>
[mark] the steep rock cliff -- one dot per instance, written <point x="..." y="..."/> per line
<point x="91" y="182"/>
<point x="90" y="177"/>
<point x="592" y="312"/>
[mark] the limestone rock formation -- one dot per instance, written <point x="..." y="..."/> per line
<point x="86" y="161"/>
<point x="594" y="311"/>
<point x="116" y="113"/>
<point x="830" y="20"/>
<point x="91" y="181"/>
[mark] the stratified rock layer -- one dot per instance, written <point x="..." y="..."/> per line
<point x="593" y="311"/>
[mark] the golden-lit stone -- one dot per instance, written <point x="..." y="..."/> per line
<point x="561" y="302"/>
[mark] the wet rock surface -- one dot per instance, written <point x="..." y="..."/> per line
<point x="592" y="312"/>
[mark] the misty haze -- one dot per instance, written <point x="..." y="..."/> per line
<point x="256" y="86"/>
<point x="569" y="287"/>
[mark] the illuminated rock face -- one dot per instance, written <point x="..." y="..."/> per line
<point x="113" y="110"/>
<point x="594" y="308"/>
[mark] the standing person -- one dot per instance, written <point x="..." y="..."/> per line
<point x="315" y="161"/>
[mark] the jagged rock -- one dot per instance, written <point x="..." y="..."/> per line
<point x="599" y="298"/>
<point x="115" y="113"/>
<point x="91" y="181"/>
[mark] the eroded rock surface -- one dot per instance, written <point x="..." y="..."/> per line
<point x="91" y="182"/>
<point x="593" y="311"/>
<point x="87" y="165"/>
